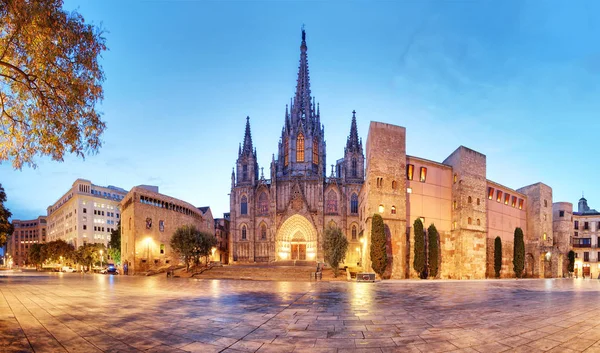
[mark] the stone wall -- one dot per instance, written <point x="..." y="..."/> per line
<point x="507" y="259"/>
<point x="385" y="190"/>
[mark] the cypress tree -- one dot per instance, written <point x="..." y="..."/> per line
<point x="433" y="251"/>
<point x="519" y="253"/>
<point x="571" y="265"/>
<point x="419" y="260"/>
<point x="498" y="256"/>
<point x="378" y="246"/>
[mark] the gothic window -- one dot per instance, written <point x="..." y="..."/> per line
<point x="300" y="148"/>
<point x="353" y="232"/>
<point x="244" y="206"/>
<point x="263" y="232"/>
<point x="243" y="232"/>
<point x="393" y="209"/>
<point x="331" y="202"/>
<point x="354" y="168"/>
<point x="245" y="172"/>
<point x="315" y="151"/>
<point x="354" y="203"/>
<point x="469" y="199"/>
<point x="469" y="221"/>
<point x="286" y="151"/>
<point x="263" y="204"/>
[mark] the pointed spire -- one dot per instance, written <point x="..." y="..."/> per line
<point x="302" y="98"/>
<point x="353" y="143"/>
<point x="247" y="149"/>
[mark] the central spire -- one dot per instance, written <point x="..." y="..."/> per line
<point x="302" y="108"/>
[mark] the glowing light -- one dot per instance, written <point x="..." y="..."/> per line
<point x="357" y="248"/>
<point x="283" y="255"/>
<point x="381" y="209"/>
<point x="362" y="240"/>
<point x="548" y="255"/>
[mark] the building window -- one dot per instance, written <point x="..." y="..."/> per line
<point x="520" y="204"/>
<point x="393" y="209"/>
<point x="423" y="175"/>
<point x="490" y="193"/>
<point x="244" y="205"/>
<point x="300" y="148"/>
<point x="454" y="204"/>
<point x="586" y="256"/>
<point x="478" y="222"/>
<point x="410" y="170"/>
<point x="478" y="202"/>
<point x="161" y="226"/>
<point x="354" y="168"/>
<point x="245" y="172"/>
<point x="545" y="203"/>
<point x="394" y="184"/>
<point x="162" y="248"/>
<point x="286" y="151"/>
<point x="498" y="196"/>
<point x="586" y="225"/>
<point x="576" y="224"/>
<point x="455" y="178"/>
<point x="84" y="227"/>
<point x="354" y="204"/>
<point x="514" y="201"/>
<point x="381" y="208"/>
<point x="353" y="232"/>
<point x="469" y="220"/>
<point x="263" y="232"/>
<point x="331" y="202"/>
<point x="315" y="151"/>
<point x="263" y="203"/>
<point x="576" y="234"/>
<point x="84" y="210"/>
<point x="506" y="198"/>
<point x="379" y="182"/>
<point x="561" y="213"/>
<point x="545" y="236"/>
<point x="469" y="199"/>
<point x="243" y="232"/>
<point x="148" y="223"/>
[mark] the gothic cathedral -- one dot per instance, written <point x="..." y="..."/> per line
<point x="284" y="218"/>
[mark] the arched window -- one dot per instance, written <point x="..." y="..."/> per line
<point x="263" y="232"/>
<point x="393" y="209"/>
<point x="354" y="168"/>
<point x="300" y="148"/>
<point x="478" y="201"/>
<point x="354" y="203"/>
<point x="286" y="151"/>
<point x="315" y="151"/>
<point x="331" y="202"/>
<point x="469" y="200"/>
<point x="245" y="172"/>
<point x="263" y="203"/>
<point x="469" y="221"/>
<point x="353" y="232"/>
<point x="455" y="178"/>
<point x="244" y="205"/>
<point x="243" y="232"/>
<point x="478" y="222"/>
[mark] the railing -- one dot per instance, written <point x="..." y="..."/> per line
<point x="582" y="245"/>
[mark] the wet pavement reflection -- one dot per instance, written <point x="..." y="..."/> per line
<point x="103" y="313"/>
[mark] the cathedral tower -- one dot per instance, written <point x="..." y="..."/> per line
<point x="247" y="164"/>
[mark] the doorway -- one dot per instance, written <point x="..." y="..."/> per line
<point x="298" y="252"/>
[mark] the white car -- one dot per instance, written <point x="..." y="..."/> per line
<point x="68" y="269"/>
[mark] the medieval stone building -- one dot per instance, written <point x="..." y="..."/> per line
<point x="283" y="218"/>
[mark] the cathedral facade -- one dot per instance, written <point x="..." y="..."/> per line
<point x="284" y="218"/>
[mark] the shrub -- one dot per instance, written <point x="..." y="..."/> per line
<point x="498" y="256"/>
<point x="419" y="260"/>
<point x="571" y="265"/>
<point x="433" y="251"/>
<point x="519" y="253"/>
<point x="378" y="246"/>
<point x="335" y="246"/>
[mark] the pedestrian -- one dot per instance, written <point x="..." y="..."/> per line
<point x="125" y="268"/>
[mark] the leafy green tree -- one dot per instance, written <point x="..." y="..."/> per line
<point x="419" y="249"/>
<point x="519" y="253"/>
<point x="571" y="264"/>
<point x="58" y="251"/>
<point x="35" y="256"/>
<point x="379" y="258"/>
<point x="203" y="244"/>
<point x="335" y="246"/>
<point x="89" y="254"/>
<point x="497" y="256"/>
<point x="183" y="242"/>
<point x="6" y="228"/>
<point x="114" y="245"/>
<point x="434" y="251"/>
<point x="50" y="82"/>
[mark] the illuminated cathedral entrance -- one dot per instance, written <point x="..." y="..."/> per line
<point x="297" y="239"/>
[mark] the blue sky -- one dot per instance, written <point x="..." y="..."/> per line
<point x="516" y="80"/>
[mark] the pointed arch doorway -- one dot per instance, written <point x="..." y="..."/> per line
<point x="297" y="239"/>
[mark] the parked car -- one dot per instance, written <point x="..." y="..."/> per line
<point x="68" y="269"/>
<point x="110" y="270"/>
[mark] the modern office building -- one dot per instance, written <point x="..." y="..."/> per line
<point x="25" y="234"/>
<point x="86" y="213"/>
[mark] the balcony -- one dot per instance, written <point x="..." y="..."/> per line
<point x="582" y="245"/>
<point x="582" y="242"/>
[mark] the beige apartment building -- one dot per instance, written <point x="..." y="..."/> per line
<point x="585" y="229"/>
<point x="149" y="221"/>
<point x="86" y="213"/>
<point x="25" y="234"/>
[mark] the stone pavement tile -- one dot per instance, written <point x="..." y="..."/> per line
<point x="374" y="342"/>
<point x="335" y="343"/>
<point x="404" y="349"/>
<point x="246" y="346"/>
<point x="141" y="343"/>
<point x="465" y="342"/>
<point x="381" y="334"/>
<point x="164" y="349"/>
<point x="465" y="350"/>
<point x="559" y="349"/>
<point x="79" y="344"/>
<point x="525" y="349"/>
<point x="123" y="348"/>
<point x="403" y="341"/>
<point x="296" y="341"/>
<point x="578" y="344"/>
<point x="319" y="327"/>
<point x="297" y="327"/>
<point x="307" y="334"/>
<point x="491" y="348"/>
<point x="593" y="349"/>
<point x="550" y="329"/>
<point x="200" y="347"/>
<point x="345" y="334"/>
<point x="435" y="347"/>
<point x="515" y="341"/>
<point x="276" y="348"/>
<point x="544" y="344"/>
<point x="314" y="350"/>
<point x="534" y="335"/>
<point x="437" y="337"/>
<point x="359" y="350"/>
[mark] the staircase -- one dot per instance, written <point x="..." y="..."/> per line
<point x="277" y="271"/>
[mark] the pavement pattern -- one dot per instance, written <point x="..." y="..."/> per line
<point x="103" y="313"/>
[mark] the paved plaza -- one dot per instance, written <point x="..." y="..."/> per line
<point x="99" y="313"/>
